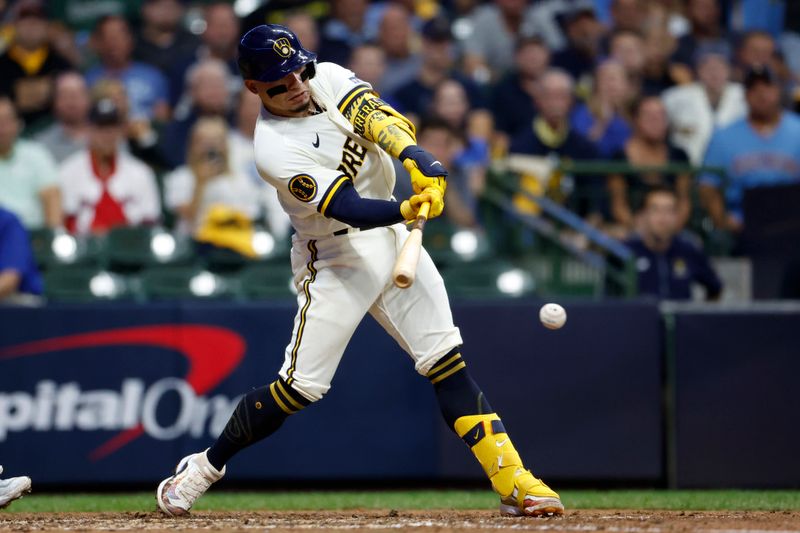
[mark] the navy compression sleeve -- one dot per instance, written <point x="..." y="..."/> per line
<point x="348" y="207"/>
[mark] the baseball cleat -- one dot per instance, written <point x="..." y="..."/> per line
<point x="193" y="476"/>
<point x="537" y="499"/>
<point x="13" y="488"/>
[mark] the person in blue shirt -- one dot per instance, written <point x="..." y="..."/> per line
<point x="147" y="88"/>
<point x="760" y="150"/>
<point x="666" y="263"/>
<point x="18" y="273"/>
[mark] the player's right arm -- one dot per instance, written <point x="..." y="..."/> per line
<point x="377" y="121"/>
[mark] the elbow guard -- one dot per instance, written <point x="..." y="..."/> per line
<point x="377" y="121"/>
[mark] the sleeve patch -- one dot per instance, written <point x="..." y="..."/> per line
<point x="303" y="187"/>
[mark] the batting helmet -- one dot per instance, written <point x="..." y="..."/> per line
<point x="270" y="52"/>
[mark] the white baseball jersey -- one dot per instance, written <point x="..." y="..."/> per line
<point x="308" y="158"/>
<point x="340" y="278"/>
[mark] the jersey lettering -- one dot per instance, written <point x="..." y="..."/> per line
<point x="352" y="158"/>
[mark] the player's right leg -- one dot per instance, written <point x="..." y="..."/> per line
<point x="13" y="488"/>
<point x="419" y="318"/>
<point x="335" y="289"/>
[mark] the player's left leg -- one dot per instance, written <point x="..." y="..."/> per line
<point x="419" y="318"/>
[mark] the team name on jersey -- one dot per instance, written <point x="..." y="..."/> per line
<point x="352" y="158"/>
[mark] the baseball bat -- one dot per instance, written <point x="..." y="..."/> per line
<point x="405" y="267"/>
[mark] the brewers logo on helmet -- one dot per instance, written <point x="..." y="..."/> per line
<point x="270" y="51"/>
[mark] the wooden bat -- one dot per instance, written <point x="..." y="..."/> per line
<point x="405" y="267"/>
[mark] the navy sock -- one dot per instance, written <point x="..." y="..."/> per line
<point x="257" y="416"/>
<point x="456" y="391"/>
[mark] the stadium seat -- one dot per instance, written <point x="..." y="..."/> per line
<point x="271" y="251"/>
<point x="495" y="279"/>
<point x="130" y="248"/>
<point x="266" y="281"/>
<point x="87" y="284"/>
<point x="180" y="282"/>
<point x="53" y="248"/>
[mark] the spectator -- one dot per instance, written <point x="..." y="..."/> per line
<point x="70" y="131"/>
<point x="437" y="65"/>
<point x="29" y="66"/>
<point x="140" y="137"/>
<point x="760" y="150"/>
<point x="552" y="136"/>
<point x="104" y="186"/>
<point x="546" y="19"/>
<point x="240" y="143"/>
<point x="667" y="264"/>
<point x="512" y="97"/>
<point x="756" y="48"/>
<point x="161" y="41"/>
<point x="19" y="277"/>
<point x="146" y="87"/>
<point x="368" y="63"/>
<point x="489" y="47"/>
<point x="219" y="41"/>
<point x="628" y="15"/>
<point x="602" y="118"/>
<point x="584" y="35"/>
<point x="343" y="31"/>
<point x="394" y="38"/>
<point x="657" y="74"/>
<point x="628" y="49"/>
<point x="648" y="147"/>
<point x="697" y="109"/>
<point x="550" y="132"/>
<point x="209" y="96"/>
<point x="305" y="27"/>
<point x="28" y="175"/>
<point x="208" y="180"/>
<point x="474" y="127"/>
<point x="465" y="184"/>
<point x="706" y="30"/>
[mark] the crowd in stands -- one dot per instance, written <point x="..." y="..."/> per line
<point x="127" y="112"/>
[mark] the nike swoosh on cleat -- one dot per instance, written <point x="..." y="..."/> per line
<point x="316" y="143"/>
<point x="500" y="443"/>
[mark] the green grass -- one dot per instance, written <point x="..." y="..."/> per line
<point x="418" y="499"/>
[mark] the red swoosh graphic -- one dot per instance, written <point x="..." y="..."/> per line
<point x="213" y="353"/>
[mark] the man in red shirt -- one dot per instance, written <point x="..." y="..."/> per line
<point x="104" y="186"/>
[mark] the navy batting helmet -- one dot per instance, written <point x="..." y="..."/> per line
<point x="270" y="52"/>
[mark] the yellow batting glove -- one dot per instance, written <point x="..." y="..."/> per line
<point x="410" y="208"/>
<point x="424" y="169"/>
<point x="436" y="200"/>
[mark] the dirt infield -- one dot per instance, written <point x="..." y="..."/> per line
<point x="439" y="521"/>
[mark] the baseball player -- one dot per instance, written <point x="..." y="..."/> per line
<point x="325" y="141"/>
<point x="13" y="488"/>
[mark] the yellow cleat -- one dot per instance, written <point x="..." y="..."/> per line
<point x="537" y="499"/>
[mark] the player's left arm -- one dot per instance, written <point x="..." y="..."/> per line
<point x="377" y="121"/>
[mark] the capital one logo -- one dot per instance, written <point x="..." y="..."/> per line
<point x="213" y="353"/>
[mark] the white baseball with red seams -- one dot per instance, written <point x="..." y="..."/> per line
<point x="553" y="316"/>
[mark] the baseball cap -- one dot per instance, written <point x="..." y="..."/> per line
<point x="105" y="112"/>
<point x="437" y="29"/>
<point x="759" y="73"/>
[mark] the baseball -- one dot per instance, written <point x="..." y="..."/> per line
<point x="552" y="316"/>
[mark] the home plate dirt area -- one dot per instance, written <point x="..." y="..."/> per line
<point x="439" y="521"/>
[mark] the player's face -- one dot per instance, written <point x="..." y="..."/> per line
<point x="289" y="96"/>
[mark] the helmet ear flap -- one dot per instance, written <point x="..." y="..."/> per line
<point x="309" y="72"/>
